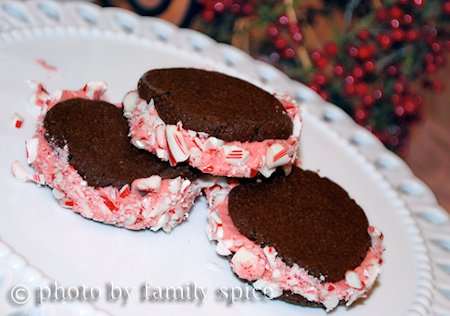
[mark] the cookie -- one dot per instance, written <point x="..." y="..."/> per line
<point x="82" y="151"/>
<point x="219" y="124"/>
<point x="300" y="238"/>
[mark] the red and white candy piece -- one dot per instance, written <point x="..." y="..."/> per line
<point x="152" y="183"/>
<point x="95" y="89"/>
<point x="265" y="171"/>
<point x="58" y="194"/>
<point x="276" y="156"/>
<point x="40" y="96"/>
<point x="213" y="143"/>
<point x="235" y="155"/>
<point x="17" y="120"/>
<point x="160" y="136"/>
<point x="138" y="143"/>
<point x="199" y="143"/>
<point x="175" y="185"/>
<point x="353" y="280"/>
<point x="38" y="178"/>
<point x="66" y="203"/>
<point x="109" y="203"/>
<point x="222" y="250"/>
<point x="129" y="103"/>
<point x="270" y="289"/>
<point x="276" y="274"/>
<point x="19" y="172"/>
<point x="124" y="191"/>
<point x="297" y="126"/>
<point x="244" y="259"/>
<point x="32" y="149"/>
<point x="177" y="146"/>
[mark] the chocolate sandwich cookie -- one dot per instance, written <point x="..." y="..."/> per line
<point x="96" y="134"/>
<point x="300" y="238"/>
<point x="82" y="150"/>
<point x="219" y="124"/>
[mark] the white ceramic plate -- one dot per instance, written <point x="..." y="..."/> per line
<point x="41" y="242"/>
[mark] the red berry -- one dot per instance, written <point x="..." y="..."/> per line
<point x="349" y="90"/>
<point x="283" y="20"/>
<point x="288" y="53"/>
<point x="396" y="13"/>
<point x="349" y="80"/>
<point x="407" y="19"/>
<point x="381" y="14"/>
<point x="236" y="8"/>
<point x="392" y="70"/>
<point x="353" y="51"/>
<point x="273" y="31"/>
<point x="438" y="86"/>
<point x="325" y="95"/>
<point x="399" y="111"/>
<point x="315" y="55"/>
<point x="398" y="35"/>
<point x="412" y="35"/>
<point x="398" y="87"/>
<point x="419" y="3"/>
<point x="395" y="99"/>
<point x="321" y="63"/>
<point x="358" y="72"/>
<point x="361" y="88"/>
<point x="418" y="99"/>
<point x="361" y="114"/>
<point x="320" y="78"/>
<point x="294" y="28"/>
<point x="364" y="52"/>
<point x="280" y="43"/>
<point x="219" y="7"/>
<point x="369" y="66"/>
<point x="331" y="49"/>
<point x="297" y="37"/>
<point x="378" y="94"/>
<point x="274" y="57"/>
<point x="209" y="5"/>
<point x="431" y="68"/>
<point x="363" y="34"/>
<point x="384" y="41"/>
<point x="314" y="86"/>
<point x="393" y="141"/>
<point x="410" y="106"/>
<point x="372" y="49"/>
<point x="248" y="9"/>
<point x="208" y="15"/>
<point x="368" y="100"/>
<point x="395" y="23"/>
<point x="446" y="7"/>
<point x="436" y="47"/>
<point x="439" y="60"/>
<point x="429" y="58"/>
<point x="338" y="70"/>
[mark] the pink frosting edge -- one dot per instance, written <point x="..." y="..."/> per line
<point x="164" y="205"/>
<point x="271" y="275"/>
<point x="211" y="155"/>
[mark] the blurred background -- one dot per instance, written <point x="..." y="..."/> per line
<point x="386" y="63"/>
